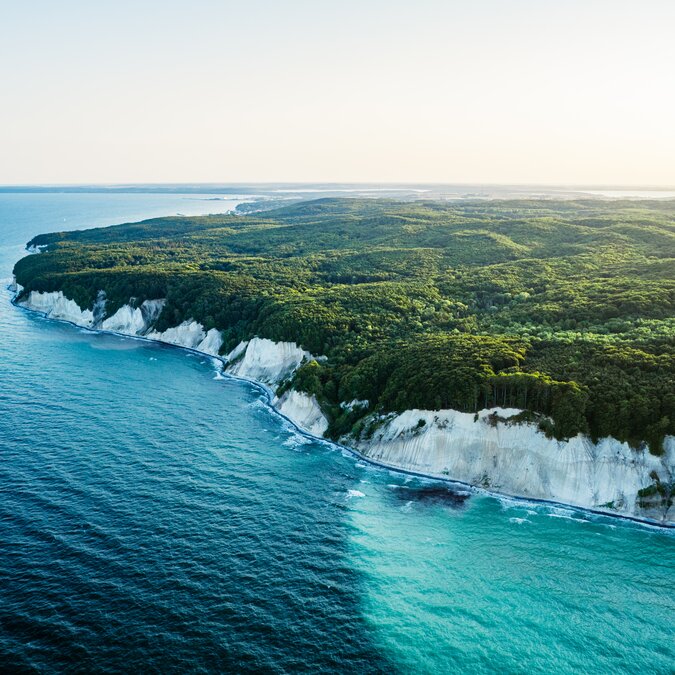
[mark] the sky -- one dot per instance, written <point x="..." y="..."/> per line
<point x="574" y="92"/>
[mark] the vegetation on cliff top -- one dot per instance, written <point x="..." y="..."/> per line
<point x="562" y="308"/>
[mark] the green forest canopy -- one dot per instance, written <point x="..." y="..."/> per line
<point x="562" y="308"/>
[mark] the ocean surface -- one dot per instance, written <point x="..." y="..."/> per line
<point x="156" y="518"/>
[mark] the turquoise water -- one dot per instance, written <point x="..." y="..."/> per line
<point x="155" y="518"/>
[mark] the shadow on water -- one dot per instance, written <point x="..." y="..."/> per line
<point x="435" y="494"/>
<point x="195" y="541"/>
<point x="152" y="519"/>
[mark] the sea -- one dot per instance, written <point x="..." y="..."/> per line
<point x="156" y="517"/>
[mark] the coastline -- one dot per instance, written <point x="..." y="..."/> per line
<point x="270" y="396"/>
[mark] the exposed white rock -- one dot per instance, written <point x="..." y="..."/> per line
<point x="125" y="320"/>
<point x="56" y="306"/>
<point x="151" y="309"/>
<point x="36" y="249"/>
<point x="355" y="403"/>
<point x="134" y="321"/>
<point x="303" y="410"/>
<point x="99" y="308"/>
<point x="237" y="351"/>
<point x="188" y="334"/>
<point x="518" y="459"/>
<point x="14" y="287"/>
<point x="268" y="362"/>
<point x="212" y="343"/>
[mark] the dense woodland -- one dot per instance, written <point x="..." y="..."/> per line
<point x="562" y="308"/>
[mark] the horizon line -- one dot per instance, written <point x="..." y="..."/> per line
<point x="392" y="184"/>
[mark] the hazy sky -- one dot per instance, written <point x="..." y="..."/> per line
<point x="502" y="91"/>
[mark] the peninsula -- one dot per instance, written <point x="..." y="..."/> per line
<point x="526" y="346"/>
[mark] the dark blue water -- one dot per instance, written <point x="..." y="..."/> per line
<point x="156" y="519"/>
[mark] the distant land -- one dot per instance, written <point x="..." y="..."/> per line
<point x="398" y="190"/>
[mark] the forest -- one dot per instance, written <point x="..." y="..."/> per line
<point x="561" y="308"/>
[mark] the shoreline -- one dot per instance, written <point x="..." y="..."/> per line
<point x="269" y="398"/>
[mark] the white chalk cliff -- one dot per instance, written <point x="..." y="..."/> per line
<point x="56" y="306"/>
<point x="519" y="460"/>
<point x="505" y="457"/>
<point x="127" y="320"/>
<point x="134" y="321"/>
<point x="271" y="363"/>
<point x="266" y="361"/>
<point x="192" y="335"/>
<point x="304" y="410"/>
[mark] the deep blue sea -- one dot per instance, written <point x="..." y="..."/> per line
<point x="157" y="519"/>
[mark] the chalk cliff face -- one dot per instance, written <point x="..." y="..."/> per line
<point x="56" y="306"/>
<point x="497" y="454"/>
<point x="266" y="361"/>
<point x="126" y="320"/>
<point x="212" y="342"/>
<point x="14" y="287"/>
<point x="304" y="410"/>
<point x="132" y="321"/>
<point x="188" y="334"/>
<point x="518" y="459"/>
<point x="271" y="363"/>
<point x="192" y="335"/>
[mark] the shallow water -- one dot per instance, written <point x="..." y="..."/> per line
<point x="155" y="517"/>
